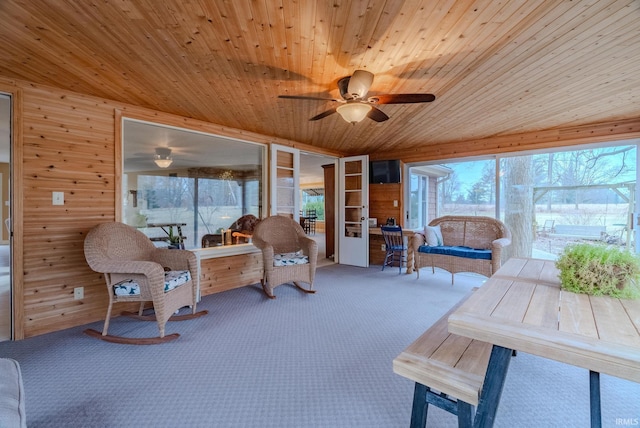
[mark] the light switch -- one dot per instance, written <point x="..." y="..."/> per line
<point x="395" y="202"/>
<point x="58" y="198"/>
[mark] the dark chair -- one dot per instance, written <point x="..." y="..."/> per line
<point x="311" y="221"/>
<point x="395" y="246"/>
<point x="241" y="232"/>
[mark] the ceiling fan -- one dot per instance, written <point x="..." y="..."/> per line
<point x="354" y="106"/>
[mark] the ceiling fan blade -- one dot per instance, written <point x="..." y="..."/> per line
<point x="304" y="97"/>
<point x="402" y="98"/>
<point x="377" y="115"/>
<point x="360" y="83"/>
<point x="323" y="114"/>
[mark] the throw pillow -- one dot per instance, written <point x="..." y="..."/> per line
<point x="433" y="236"/>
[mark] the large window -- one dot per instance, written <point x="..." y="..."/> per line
<point x="211" y="181"/>
<point x="469" y="189"/>
<point x="547" y="200"/>
<point x="553" y="199"/>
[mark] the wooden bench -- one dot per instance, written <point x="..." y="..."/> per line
<point x="448" y="371"/>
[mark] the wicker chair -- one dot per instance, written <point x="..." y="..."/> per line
<point x="136" y="271"/>
<point x="289" y="256"/>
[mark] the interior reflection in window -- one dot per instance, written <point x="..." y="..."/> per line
<point x="209" y="183"/>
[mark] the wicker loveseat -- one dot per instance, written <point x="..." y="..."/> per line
<point x="469" y="244"/>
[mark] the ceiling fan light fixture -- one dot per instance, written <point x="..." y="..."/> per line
<point x="353" y="112"/>
<point x="163" y="157"/>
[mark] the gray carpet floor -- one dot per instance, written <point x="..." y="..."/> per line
<point x="300" y="360"/>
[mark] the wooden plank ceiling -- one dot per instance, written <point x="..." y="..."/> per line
<point x="496" y="68"/>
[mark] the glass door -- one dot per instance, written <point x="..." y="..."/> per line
<point x="354" y="211"/>
<point x="285" y="181"/>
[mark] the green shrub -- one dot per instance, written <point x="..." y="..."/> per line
<point x="599" y="270"/>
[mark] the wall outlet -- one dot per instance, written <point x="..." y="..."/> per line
<point x="383" y="247"/>
<point x="78" y="293"/>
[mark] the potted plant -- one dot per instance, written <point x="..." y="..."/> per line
<point x="600" y="270"/>
<point x="174" y="240"/>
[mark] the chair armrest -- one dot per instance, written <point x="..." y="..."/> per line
<point x="257" y="242"/>
<point x="267" y="253"/>
<point x="306" y="243"/>
<point x="417" y="240"/>
<point x="175" y="259"/>
<point x="310" y="248"/>
<point x="500" y="243"/>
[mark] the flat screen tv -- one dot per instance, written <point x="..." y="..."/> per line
<point x="385" y="171"/>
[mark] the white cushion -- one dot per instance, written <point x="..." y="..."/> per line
<point x="288" y="259"/>
<point x="433" y="236"/>
<point x="172" y="279"/>
<point x="12" y="401"/>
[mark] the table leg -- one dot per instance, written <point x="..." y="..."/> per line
<point x="492" y="388"/>
<point x="420" y="407"/>
<point x="594" y="395"/>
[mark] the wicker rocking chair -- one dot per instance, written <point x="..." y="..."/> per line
<point x="289" y="256"/>
<point x="136" y="271"/>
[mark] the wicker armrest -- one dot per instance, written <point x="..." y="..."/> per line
<point x="310" y="248"/>
<point x="267" y="253"/>
<point x="175" y="259"/>
<point x="306" y="244"/>
<point x="501" y="243"/>
<point x="417" y="240"/>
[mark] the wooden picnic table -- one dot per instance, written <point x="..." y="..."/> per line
<point x="522" y="307"/>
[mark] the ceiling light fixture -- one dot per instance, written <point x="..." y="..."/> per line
<point x="353" y="112"/>
<point x="163" y="157"/>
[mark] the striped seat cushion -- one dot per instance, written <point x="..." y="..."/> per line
<point x="172" y="279"/>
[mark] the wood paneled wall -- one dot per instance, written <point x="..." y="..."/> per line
<point x="68" y="146"/>
<point x="381" y="197"/>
